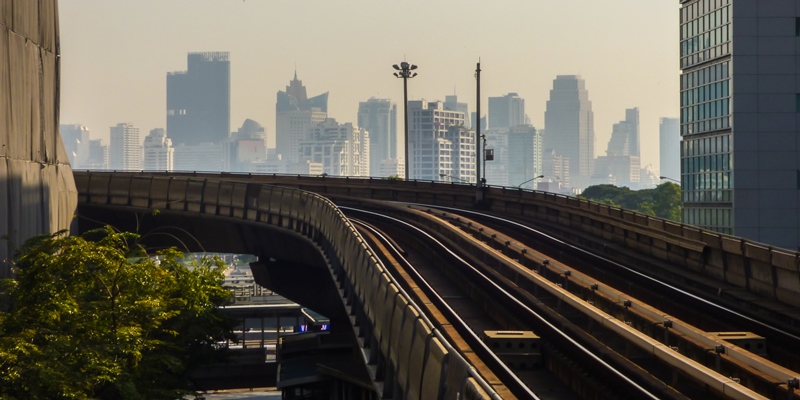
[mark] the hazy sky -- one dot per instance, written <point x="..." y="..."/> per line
<point x="115" y="55"/>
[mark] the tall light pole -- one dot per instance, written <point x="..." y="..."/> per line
<point x="478" y="153"/>
<point x="535" y="177"/>
<point x="405" y="73"/>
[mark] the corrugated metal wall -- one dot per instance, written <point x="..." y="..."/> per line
<point x="37" y="190"/>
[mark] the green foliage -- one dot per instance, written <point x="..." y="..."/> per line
<point x="664" y="201"/>
<point x="94" y="317"/>
<point x="394" y="178"/>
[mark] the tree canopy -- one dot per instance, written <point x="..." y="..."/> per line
<point x="94" y="316"/>
<point x="663" y="201"/>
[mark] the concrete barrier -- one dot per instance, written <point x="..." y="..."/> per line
<point x="384" y="312"/>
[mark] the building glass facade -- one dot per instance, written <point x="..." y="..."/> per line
<point x="706" y="110"/>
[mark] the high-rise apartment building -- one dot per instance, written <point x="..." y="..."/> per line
<point x="379" y="118"/>
<point x="506" y="111"/>
<point x="524" y="156"/>
<point x="569" y="127"/>
<point x="342" y="149"/>
<point x="669" y="148"/>
<point x="295" y="113"/>
<point x="199" y="100"/>
<point x="125" y="152"/>
<point x="76" y="143"/>
<point x="439" y="144"/>
<point x="451" y="103"/>
<point x="158" y="152"/>
<point x="739" y="170"/>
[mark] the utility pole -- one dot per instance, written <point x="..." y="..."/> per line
<point x="478" y="152"/>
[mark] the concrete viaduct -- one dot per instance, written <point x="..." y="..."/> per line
<point x="335" y="272"/>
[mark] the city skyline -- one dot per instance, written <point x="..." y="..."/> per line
<point x="263" y="58"/>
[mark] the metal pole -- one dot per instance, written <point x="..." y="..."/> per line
<point x="478" y="152"/>
<point x="405" y="111"/>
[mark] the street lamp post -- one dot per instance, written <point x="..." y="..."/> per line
<point x="669" y="179"/>
<point x="405" y="72"/>
<point x="535" y="177"/>
<point x="454" y="177"/>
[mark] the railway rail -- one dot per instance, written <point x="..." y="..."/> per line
<point x="549" y="280"/>
<point x="600" y="379"/>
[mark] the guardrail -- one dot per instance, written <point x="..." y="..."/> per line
<point x="764" y="270"/>
<point x="419" y="361"/>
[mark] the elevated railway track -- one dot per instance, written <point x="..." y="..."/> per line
<point x="680" y="358"/>
<point x="635" y="330"/>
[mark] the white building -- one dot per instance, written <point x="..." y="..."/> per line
<point x="391" y="167"/>
<point x="440" y="145"/>
<point x="158" y="152"/>
<point x="125" y="150"/>
<point x="342" y="149"/>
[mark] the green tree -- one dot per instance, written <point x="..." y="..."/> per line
<point x="664" y="201"/>
<point x="667" y="201"/>
<point x="95" y="317"/>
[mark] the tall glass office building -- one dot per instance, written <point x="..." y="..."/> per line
<point x="739" y="120"/>
<point x="199" y="100"/>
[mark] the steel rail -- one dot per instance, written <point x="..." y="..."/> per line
<point x="588" y="353"/>
<point x="444" y="306"/>
<point x="743" y="356"/>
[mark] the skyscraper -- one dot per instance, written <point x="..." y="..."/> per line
<point x="294" y="114"/>
<point x="342" y="149"/>
<point x="621" y="164"/>
<point x="669" y="148"/>
<point x="451" y="103"/>
<point x="740" y="165"/>
<point x="625" y="135"/>
<point x="158" y="152"/>
<point x="379" y="118"/>
<point x="76" y="143"/>
<point x="569" y="127"/>
<point x="199" y="100"/>
<point x="506" y="111"/>
<point x="125" y="152"/>
<point x="246" y="148"/>
<point x="439" y="143"/>
<point x="524" y="155"/>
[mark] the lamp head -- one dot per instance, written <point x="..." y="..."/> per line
<point x="396" y="67"/>
<point x="404" y="65"/>
<point x="413" y="67"/>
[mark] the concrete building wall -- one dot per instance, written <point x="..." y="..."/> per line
<point x="39" y="194"/>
